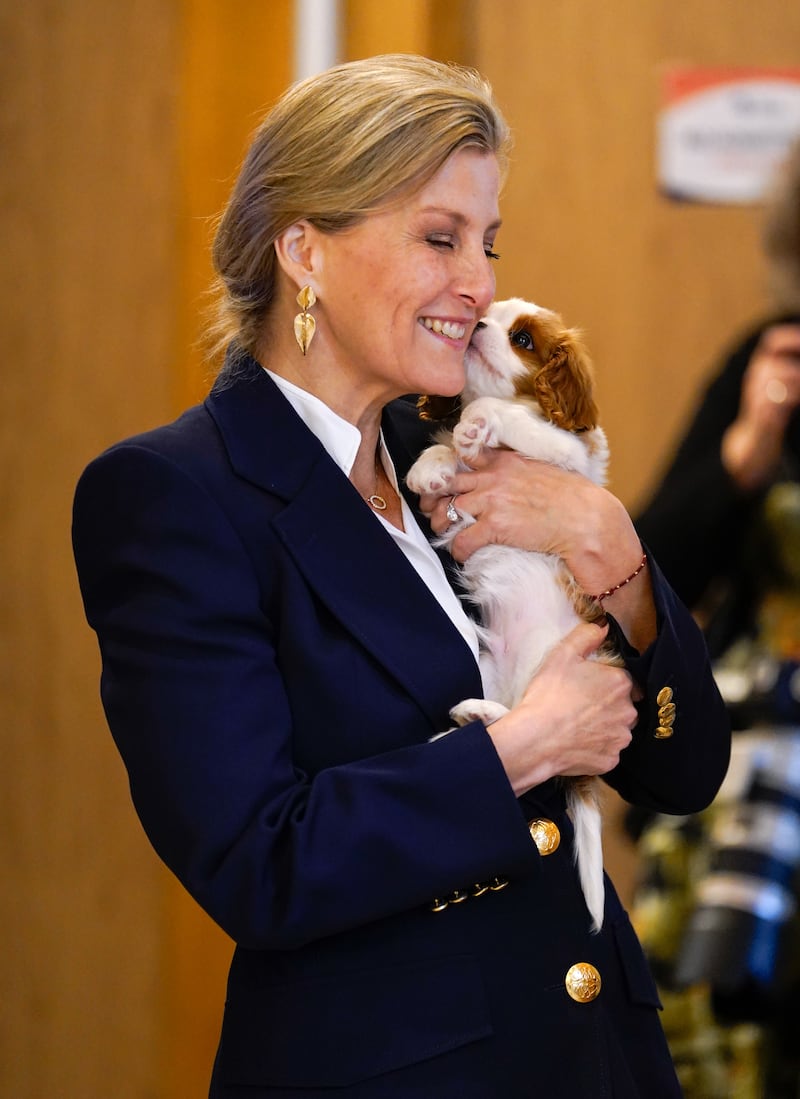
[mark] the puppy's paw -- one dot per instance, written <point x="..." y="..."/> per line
<point x="477" y="709"/>
<point x="475" y="431"/>
<point x="433" y="471"/>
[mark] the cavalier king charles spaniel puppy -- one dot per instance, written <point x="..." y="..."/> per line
<point x="529" y="388"/>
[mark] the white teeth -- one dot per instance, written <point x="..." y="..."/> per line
<point x="445" y="328"/>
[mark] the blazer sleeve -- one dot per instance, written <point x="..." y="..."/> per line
<point x="196" y="702"/>
<point x="682" y="771"/>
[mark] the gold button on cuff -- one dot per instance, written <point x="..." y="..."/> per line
<point x="583" y="982"/>
<point x="479" y="888"/>
<point x="439" y="905"/>
<point x="545" y="835"/>
<point x="496" y="884"/>
<point x="458" y="896"/>
<point x="663" y="732"/>
<point x="664" y="696"/>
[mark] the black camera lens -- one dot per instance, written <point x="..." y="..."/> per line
<point x="740" y="938"/>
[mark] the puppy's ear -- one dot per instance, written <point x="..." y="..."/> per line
<point x="441" y="410"/>
<point x="564" y="387"/>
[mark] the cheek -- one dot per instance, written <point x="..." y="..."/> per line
<point x="371" y="282"/>
<point x="362" y="277"/>
<point x="426" y="276"/>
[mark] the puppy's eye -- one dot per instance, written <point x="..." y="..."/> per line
<point x="521" y="339"/>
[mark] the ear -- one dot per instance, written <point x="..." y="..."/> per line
<point x="296" y="252"/>
<point x="564" y="387"/>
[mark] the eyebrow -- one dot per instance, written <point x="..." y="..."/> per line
<point x="458" y="218"/>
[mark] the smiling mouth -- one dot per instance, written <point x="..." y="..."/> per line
<point x="449" y="329"/>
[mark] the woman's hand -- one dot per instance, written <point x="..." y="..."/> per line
<point x="752" y="445"/>
<point x="574" y="719"/>
<point x="537" y="506"/>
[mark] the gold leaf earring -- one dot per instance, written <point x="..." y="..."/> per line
<point x="304" y="324"/>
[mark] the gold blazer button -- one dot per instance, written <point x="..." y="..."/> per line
<point x="663" y="732"/>
<point x="583" y="982"/>
<point x="458" y="896"/>
<point x="664" y="696"/>
<point x="545" y="835"/>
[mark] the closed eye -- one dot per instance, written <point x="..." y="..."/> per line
<point x="447" y="242"/>
<point x="521" y="339"/>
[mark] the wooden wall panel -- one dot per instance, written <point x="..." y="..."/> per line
<point x="87" y="225"/>
<point x="367" y="30"/>
<point x="234" y="62"/>
<point x="658" y="287"/>
<point x="442" y="29"/>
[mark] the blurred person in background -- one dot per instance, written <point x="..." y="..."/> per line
<point x="705" y="520"/>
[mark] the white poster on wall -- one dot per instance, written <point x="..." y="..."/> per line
<point x="723" y="131"/>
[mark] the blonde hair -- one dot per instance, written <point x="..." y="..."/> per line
<point x="781" y="234"/>
<point x="334" y="148"/>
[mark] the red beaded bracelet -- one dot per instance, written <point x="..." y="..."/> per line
<point x="610" y="591"/>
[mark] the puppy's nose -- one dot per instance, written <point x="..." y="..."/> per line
<point x="480" y="324"/>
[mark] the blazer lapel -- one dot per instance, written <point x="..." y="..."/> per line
<point x="347" y="557"/>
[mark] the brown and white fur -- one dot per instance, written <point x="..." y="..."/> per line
<point x="529" y="388"/>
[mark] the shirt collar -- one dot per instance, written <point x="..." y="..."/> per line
<point x="340" y="438"/>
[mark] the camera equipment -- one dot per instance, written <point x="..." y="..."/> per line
<point x="741" y="939"/>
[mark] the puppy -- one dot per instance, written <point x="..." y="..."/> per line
<point x="529" y="388"/>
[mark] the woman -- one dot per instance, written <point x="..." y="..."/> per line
<point x="280" y="643"/>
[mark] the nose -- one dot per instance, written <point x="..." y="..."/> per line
<point x="477" y="281"/>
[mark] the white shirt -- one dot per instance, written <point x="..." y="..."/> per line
<point x="342" y="440"/>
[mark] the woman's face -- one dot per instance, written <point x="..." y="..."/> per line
<point x="400" y="293"/>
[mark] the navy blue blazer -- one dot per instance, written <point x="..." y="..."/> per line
<point x="272" y="671"/>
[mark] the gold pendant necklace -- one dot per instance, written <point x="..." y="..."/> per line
<point x="376" y="500"/>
